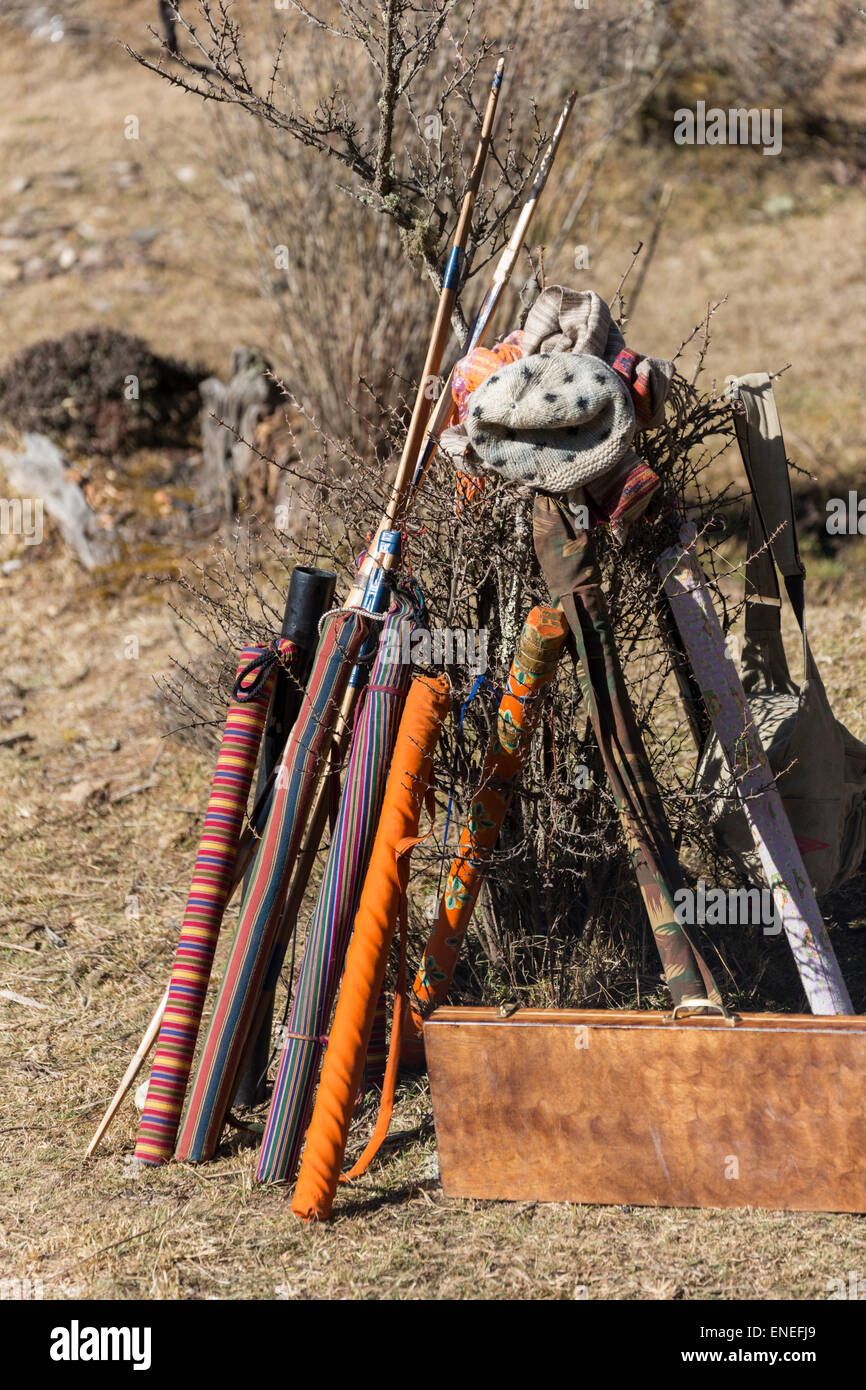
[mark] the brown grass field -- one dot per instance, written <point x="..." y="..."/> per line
<point x="99" y="811"/>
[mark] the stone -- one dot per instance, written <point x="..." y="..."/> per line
<point x="86" y="791"/>
<point x="41" y="470"/>
<point x="144" y="235"/>
<point x="779" y="205"/>
<point x="242" y="403"/>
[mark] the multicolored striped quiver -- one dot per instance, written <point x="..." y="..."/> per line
<point x="304" y="762"/>
<point x="208" y="894"/>
<point x="328" y="935"/>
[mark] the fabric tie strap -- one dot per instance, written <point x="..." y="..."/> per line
<point x="320" y="1039"/>
<point x="260" y="669"/>
<point x="235" y="1010"/>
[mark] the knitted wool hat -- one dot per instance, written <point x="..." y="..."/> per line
<point x="555" y="421"/>
<point x="563" y="320"/>
<point x="577" y="326"/>
<point x="579" y="321"/>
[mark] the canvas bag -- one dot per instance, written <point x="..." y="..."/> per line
<point x="820" y="766"/>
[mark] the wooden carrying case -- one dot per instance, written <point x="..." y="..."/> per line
<point x="765" y="1110"/>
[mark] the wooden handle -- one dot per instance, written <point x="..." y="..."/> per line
<point x="129" y="1075"/>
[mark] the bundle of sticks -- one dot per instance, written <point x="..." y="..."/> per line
<point x="299" y="699"/>
<point x="368" y="763"/>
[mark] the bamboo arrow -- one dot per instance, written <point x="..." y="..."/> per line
<point x="445" y="410"/>
<point x="385" y="547"/>
<point x="436" y="350"/>
<point x="384" y="552"/>
<point x="129" y="1075"/>
<point x="411" y="458"/>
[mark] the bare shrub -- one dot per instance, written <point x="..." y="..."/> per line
<point x="561" y="920"/>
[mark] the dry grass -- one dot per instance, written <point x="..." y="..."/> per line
<point x="63" y="109"/>
<point x="70" y="945"/>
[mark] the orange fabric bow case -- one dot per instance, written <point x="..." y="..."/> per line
<point x="409" y="787"/>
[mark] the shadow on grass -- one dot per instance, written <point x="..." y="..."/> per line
<point x="363" y="1205"/>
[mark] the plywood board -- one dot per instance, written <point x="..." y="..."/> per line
<point x="607" y="1107"/>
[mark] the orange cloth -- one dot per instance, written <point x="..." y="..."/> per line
<point x="409" y="785"/>
<point x="469" y="373"/>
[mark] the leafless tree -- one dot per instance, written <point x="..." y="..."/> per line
<point x="346" y="133"/>
<point x="339" y="110"/>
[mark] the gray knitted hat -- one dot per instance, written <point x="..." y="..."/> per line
<point x="561" y="418"/>
<point x="555" y="421"/>
<point x="564" y="320"/>
<point x="579" y="321"/>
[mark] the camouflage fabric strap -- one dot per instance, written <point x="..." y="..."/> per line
<point x="570" y="569"/>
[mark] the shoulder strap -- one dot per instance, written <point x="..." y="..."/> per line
<point x="772" y="536"/>
<point x="759" y="435"/>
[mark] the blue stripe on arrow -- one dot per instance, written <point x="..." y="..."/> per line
<point x="452" y="270"/>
